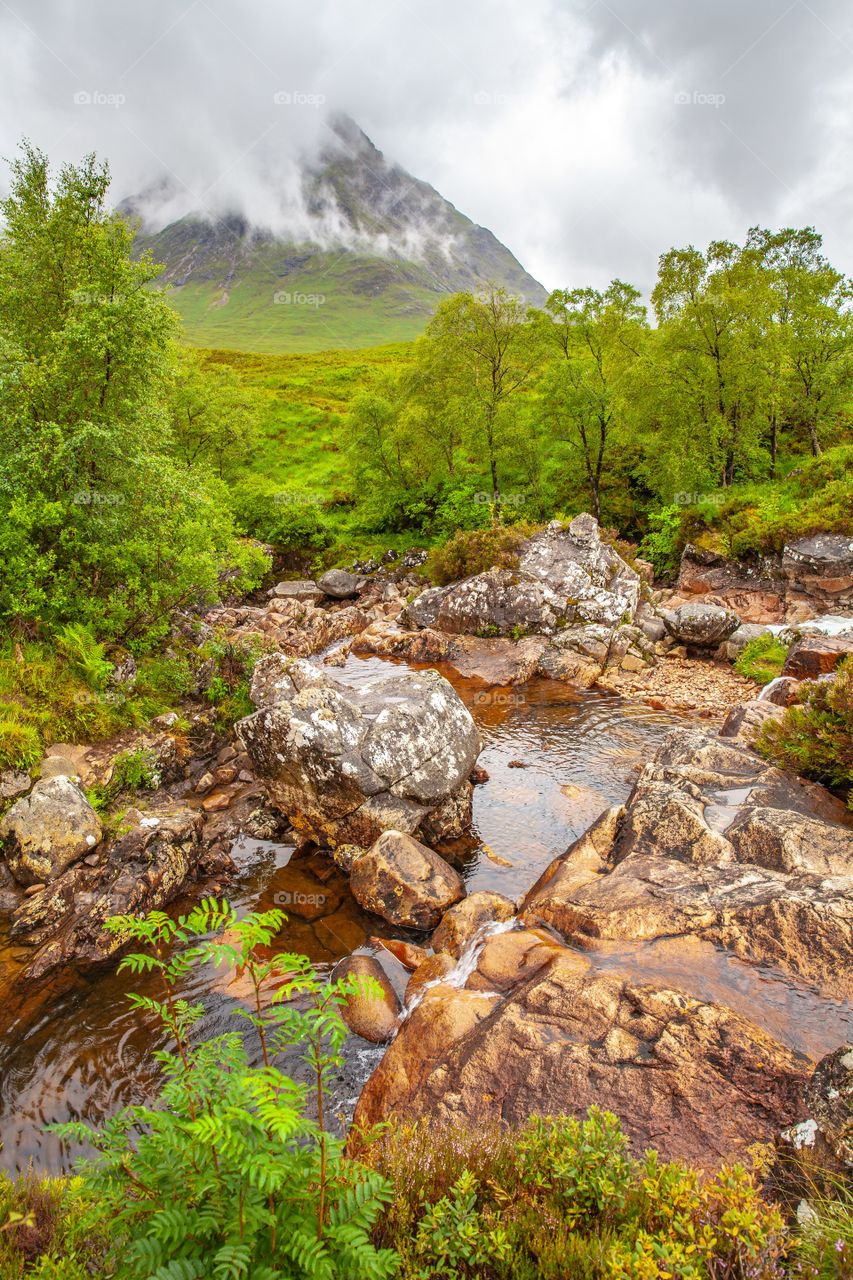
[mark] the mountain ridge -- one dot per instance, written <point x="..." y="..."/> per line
<point x="372" y="252"/>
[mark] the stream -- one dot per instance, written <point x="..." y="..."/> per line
<point x="75" y="1049"/>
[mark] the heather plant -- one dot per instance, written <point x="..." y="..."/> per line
<point x="815" y="736"/>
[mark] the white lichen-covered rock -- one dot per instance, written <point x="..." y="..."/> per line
<point x="345" y="765"/>
<point x="566" y="576"/>
<point x="48" y="830"/>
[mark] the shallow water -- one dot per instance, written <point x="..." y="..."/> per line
<point x="74" y="1049"/>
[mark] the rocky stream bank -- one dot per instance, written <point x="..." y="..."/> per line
<point x="530" y="800"/>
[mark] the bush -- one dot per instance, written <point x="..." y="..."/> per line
<point x="815" y="737"/>
<point x="227" y="1176"/>
<point x="473" y="551"/>
<point x="664" y="542"/>
<point x="287" y="519"/>
<point x="564" y="1198"/>
<point x="762" y="659"/>
<point x="42" y="1236"/>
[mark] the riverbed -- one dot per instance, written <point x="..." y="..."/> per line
<point x="555" y="757"/>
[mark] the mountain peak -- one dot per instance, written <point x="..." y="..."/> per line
<point x="377" y="245"/>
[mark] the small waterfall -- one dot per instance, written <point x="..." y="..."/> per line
<point x="764" y="695"/>
<point x="465" y="965"/>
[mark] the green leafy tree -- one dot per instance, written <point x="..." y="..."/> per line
<point x="97" y="523"/>
<point x="487" y="347"/>
<point x="594" y="339"/>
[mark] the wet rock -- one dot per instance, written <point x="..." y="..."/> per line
<point x="782" y="692"/>
<point x="745" y="721"/>
<point x="703" y="625"/>
<point x="48" y="830"/>
<point x="143" y="871"/>
<point x="715" y="843"/>
<point x="693" y="1079"/>
<point x="406" y="883"/>
<point x="462" y="922"/>
<point x="340" y="585"/>
<point x="409" y="954"/>
<point x="431" y="970"/>
<point x="300" y="589"/>
<point x="346" y="764"/>
<point x="370" y="1014"/>
<point x="816" y="655"/>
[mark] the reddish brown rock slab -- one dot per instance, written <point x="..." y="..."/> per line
<point x="462" y="922"/>
<point x="405" y="882"/>
<point x="694" y="1080"/>
<point x="714" y="843"/>
<point x="816" y="656"/>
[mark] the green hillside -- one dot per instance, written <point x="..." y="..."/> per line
<point x="333" y="302"/>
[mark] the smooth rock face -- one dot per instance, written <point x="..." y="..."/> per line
<point x="745" y="721"/>
<point x="548" y="1035"/>
<point x="816" y="655"/>
<point x="462" y="922"/>
<point x="704" y="625"/>
<point x="340" y="585"/>
<point x="298" y="589"/>
<point x="344" y="765"/>
<point x="48" y="830"/>
<point x="373" y="1017"/>
<point x="565" y="575"/>
<point x="715" y="843"/>
<point x="142" y="872"/>
<point x="406" y="883"/>
<point x="13" y="783"/>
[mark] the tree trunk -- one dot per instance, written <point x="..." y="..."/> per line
<point x="774" y="445"/>
<point x="813" y="440"/>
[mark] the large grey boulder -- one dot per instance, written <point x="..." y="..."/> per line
<point x="48" y="830"/>
<point x="297" y="589"/>
<point x="338" y="584"/>
<point x="345" y="765"/>
<point x="406" y="883"/>
<point x="703" y="625"/>
<point x="566" y="576"/>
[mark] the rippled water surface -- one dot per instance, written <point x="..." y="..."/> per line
<point x="556" y="759"/>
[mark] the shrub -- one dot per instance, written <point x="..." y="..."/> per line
<point x="472" y="551"/>
<point x="762" y="659"/>
<point x="663" y="544"/>
<point x="563" y="1199"/>
<point x="227" y="1176"/>
<point x="42" y="1236"/>
<point x="815" y="737"/>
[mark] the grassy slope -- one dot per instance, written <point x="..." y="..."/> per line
<point x="364" y="303"/>
<point x="305" y="401"/>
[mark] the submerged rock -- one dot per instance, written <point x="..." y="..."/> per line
<point x="48" y="830"/>
<point x="406" y="883"/>
<point x="344" y="765"/>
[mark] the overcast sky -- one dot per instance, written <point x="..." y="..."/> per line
<point x="589" y="137"/>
